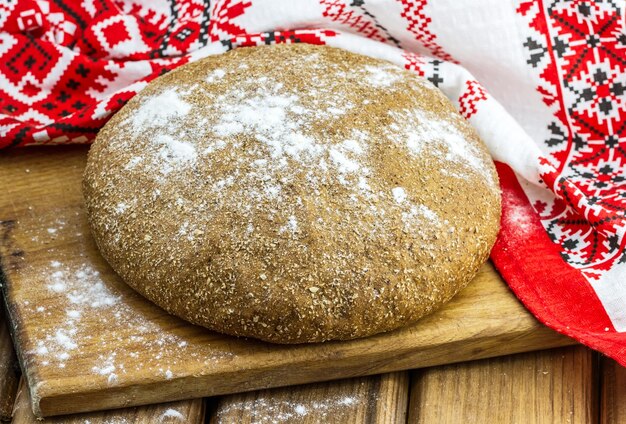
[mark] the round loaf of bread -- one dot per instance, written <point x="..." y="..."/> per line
<point x="292" y="193"/>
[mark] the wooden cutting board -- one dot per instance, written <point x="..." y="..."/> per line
<point x="86" y="341"/>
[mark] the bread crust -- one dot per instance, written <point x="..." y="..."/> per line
<point x="292" y="193"/>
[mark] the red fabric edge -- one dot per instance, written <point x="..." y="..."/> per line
<point x="557" y="294"/>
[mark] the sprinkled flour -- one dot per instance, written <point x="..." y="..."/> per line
<point x="175" y="151"/>
<point x="302" y="179"/>
<point x="399" y="194"/>
<point x="215" y="75"/>
<point x="280" y="123"/>
<point x="433" y="133"/>
<point x="518" y="215"/>
<point x="87" y="298"/>
<point x="382" y="76"/>
<point x="84" y="291"/>
<point x="267" y="116"/>
<point x="161" y="109"/>
<point x="269" y="409"/>
<point x="173" y="413"/>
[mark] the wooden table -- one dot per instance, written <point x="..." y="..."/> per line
<point x="573" y="385"/>
<point x="564" y="385"/>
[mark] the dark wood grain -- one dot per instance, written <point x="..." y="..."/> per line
<point x="613" y="392"/>
<point x="551" y="386"/>
<point x="376" y="399"/>
<point x="9" y="370"/>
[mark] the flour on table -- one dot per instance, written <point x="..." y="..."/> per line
<point x="53" y="231"/>
<point x="56" y="282"/>
<point x="274" y="409"/>
<point x="106" y="367"/>
<point x="172" y="413"/>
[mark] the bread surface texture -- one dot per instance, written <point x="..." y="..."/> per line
<point x="292" y="193"/>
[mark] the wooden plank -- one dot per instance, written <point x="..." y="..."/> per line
<point x="185" y="411"/>
<point x="376" y="399"/>
<point x="552" y="386"/>
<point x="87" y="341"/>
<point x="9" y="370"/>
<point x="613" y="392"/>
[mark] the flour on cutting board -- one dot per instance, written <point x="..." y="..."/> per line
<point x="85" y="294"/>
<point x="68" y="331"/>
<point x="88" y="323"/>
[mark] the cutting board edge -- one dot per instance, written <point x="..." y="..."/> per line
<point x="51" y="404"/>
<point x="28" y="373"/>
<point x="342" y="352"/>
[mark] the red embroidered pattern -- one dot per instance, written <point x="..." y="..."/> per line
<point x="472" y="94"/>
<point x="414" y="62"/>
<point x="51" y="94"/>
<point x="573" y="47"/>
<point x="356" y="16"/>
<point x="280" y="37"/>
<point x="413" y="12"/>
<point x="224" y="12"/>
